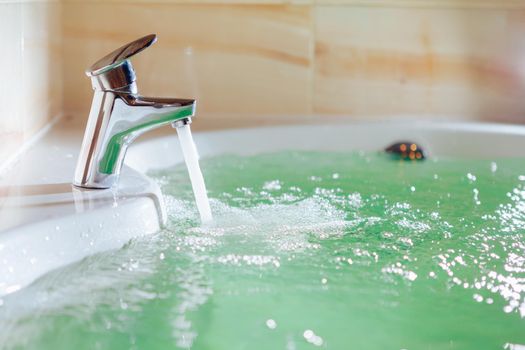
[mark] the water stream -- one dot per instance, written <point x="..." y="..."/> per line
<point x="191" y="157"/>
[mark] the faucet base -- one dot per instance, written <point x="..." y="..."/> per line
<point x="102" y="182"/>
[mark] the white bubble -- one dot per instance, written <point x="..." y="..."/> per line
<point x="411" y="275"/>
<point x="509" y="346"/>
<point x="308" y="334"/>
<point x="312" y="338"/>
<point x="271" y="324"/>
<point x="318" y="341"/>
<point x="274" y="185"/>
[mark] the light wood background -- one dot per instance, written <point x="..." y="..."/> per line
<point x="271" y="61"/>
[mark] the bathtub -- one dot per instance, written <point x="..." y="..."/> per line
<point x="45" y="223"/>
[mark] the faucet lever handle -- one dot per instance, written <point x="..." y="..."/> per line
<point x="120" y="55"/>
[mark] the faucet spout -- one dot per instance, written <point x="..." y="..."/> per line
<point x="135" y="114"/>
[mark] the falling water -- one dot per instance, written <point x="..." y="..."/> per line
<point x="191" y="157"/>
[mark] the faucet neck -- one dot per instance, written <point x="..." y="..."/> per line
<point x="120" y="78"/>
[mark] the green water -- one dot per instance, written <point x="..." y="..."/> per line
<point x="307" y="250"/>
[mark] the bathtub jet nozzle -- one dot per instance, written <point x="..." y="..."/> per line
<point x="406" y="150"/>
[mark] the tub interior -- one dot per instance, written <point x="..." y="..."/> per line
<point x="319" y="241"/>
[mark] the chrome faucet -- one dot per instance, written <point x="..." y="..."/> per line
<point x="119" y="115"/>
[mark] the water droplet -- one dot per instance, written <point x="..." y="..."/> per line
<point x="161" y="256"/>
<point x="271" y="324"/>
<point x="411" y="275"/>
<point x="308" y="334"/>
<point x="324" y="281"/>
<point x="312" y="338"/>
<point x="478" y="298"/>
<point x="412" y="188"/>
<point x="274" y="185"/>
<point x="13" y="288"/>
<point x="476" y="196"/>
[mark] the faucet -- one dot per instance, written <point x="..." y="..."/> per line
<point x="119" y="115"/>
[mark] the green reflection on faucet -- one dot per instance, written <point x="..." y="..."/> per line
<point x="118" y="141"/>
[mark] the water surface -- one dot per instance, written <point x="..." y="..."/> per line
<point x="307" y="250"/>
